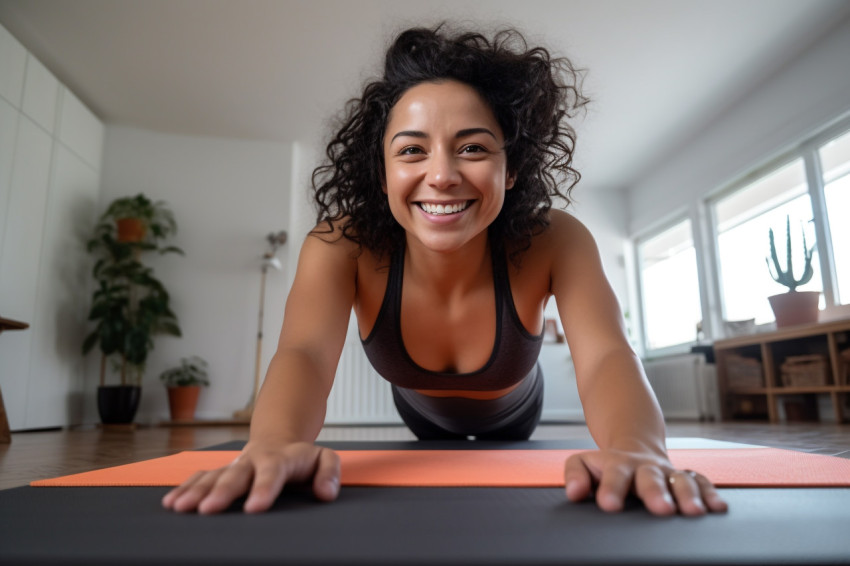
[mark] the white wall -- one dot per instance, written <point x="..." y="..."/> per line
<point x="803" y="97"/>
<point x="50" y="158"/>
<point x="227" y="195"/>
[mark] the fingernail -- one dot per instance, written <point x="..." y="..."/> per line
<point x="611" y="501"/>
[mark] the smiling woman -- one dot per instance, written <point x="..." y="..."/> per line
<point x="530" y="96"/>
<point x="436" y="227"/>
<point x="445" y="166"/>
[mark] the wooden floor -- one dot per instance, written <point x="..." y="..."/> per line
<point x="45" y="454"/>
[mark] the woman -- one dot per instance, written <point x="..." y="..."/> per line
<point x="435" y="225"/>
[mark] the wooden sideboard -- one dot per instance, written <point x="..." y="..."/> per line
<point x="750" y="371"/>
<point x="5" y="435"/>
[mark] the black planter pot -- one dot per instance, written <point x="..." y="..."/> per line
<point x="117" y="404"/>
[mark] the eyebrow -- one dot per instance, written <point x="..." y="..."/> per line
<point x="460" y="134"/>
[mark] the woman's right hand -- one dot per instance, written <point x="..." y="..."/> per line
<point x="260" y="471"/>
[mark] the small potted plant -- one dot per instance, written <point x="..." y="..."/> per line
<point x="794" y="307"/>
<point x="184" y="384"/>
<point x="138" y="219"/>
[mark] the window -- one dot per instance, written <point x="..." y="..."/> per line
<point x="835" y="164"/>
<point x="810" y="186"/>
<point x="669" y="287"/>
<point x="743" y="220"/>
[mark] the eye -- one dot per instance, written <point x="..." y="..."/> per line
<point x="410" y="150"/>
<point x="473" y="148"/>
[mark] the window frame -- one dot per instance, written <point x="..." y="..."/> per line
<point x="705" y="238"/>
<point x="767" y="169"/>
<point x="659" y="228"/>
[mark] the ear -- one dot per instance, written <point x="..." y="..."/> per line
<point x="510" y="179"/>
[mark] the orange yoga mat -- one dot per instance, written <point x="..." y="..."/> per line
<point x="738" y="467"/>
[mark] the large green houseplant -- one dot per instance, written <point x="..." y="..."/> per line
<point x="794" y="307"/>
<point x="129" y="304"/>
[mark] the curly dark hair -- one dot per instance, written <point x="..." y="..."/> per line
<point x="530" y="93"/>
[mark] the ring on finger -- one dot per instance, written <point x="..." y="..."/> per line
<point x="671" y="479"/>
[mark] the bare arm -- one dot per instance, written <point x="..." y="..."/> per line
<point x="290" y="408"/>
<point x="621" y="410"/>
<point x="291" y="405"/>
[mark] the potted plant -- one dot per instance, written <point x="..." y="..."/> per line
<point x="794" y="307"/>
<point x="184" y="384"/>
<point x="130" y="306"/>
<point x="140" y="220"/>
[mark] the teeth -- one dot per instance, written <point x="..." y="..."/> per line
<point x="438" y="209"/>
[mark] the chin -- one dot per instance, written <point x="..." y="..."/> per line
<point x="442" y="244"/>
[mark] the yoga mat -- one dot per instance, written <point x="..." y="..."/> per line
<point x="741" y="467"/>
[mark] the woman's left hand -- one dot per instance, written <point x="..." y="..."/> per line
<point x="663" y="489"/>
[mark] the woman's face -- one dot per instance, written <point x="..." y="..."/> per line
<point x="446" y="170"/>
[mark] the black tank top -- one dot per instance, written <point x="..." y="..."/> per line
<point x="514" y="355"/>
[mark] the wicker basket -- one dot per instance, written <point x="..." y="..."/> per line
<point x="805" y="371"/>
<point x="743" y="373"/>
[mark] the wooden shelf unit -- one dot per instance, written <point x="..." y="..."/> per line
<point x="771" y="349"/>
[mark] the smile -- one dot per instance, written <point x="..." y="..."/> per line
<point x="444" y="209"/>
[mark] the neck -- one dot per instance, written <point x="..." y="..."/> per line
<point x="452" y="272"/>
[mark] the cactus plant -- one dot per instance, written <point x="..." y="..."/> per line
<point x="786" y="277"/>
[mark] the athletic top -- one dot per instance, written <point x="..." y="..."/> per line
<point x="514" y="355"/>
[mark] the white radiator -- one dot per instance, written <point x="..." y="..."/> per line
<point x="686" y="386"/>
<point x="359" y="396"/>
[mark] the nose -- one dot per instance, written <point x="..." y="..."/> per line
<point x="442" y="171"/>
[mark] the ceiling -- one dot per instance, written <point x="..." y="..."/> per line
<point x="658" y="71"/>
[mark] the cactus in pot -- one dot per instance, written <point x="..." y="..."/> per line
<point x="786" y="277"/>
<point x="794" y="307"/>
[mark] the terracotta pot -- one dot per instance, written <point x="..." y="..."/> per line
<point x="182" y="402"/>
<point x="130" y="229"/>
<point x="796" y="307"/>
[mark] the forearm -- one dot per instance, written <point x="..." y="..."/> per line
<point x="292" y="402"/>
<point x="620" y="408"/>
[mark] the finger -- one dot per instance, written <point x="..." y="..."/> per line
<point x="194" y="493"/>
<point x="614" y="485"/>
<point x="578" y="479"/>
<point x="172" y="496"/>
<point x="326" y="480"/>
<point x="232" y="482"/>
<point x="269" y="479"/>
<point x="686" y="492"/>
<point x="710" y="497"/>
<point x="651" y="488"/>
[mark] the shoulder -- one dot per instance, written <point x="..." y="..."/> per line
<point x="564" y="239"/>
<point x="563" y="223"/>
<point x="330" y="237"/>
<point x="556" y="255"/>
<point x="327" y="242"/>
<point x="565" y="253"/>
<point x="325" y="246"/>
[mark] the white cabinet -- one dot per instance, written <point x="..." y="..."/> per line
<point x="50" y="154"/>
<point x="41" y="95"/>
